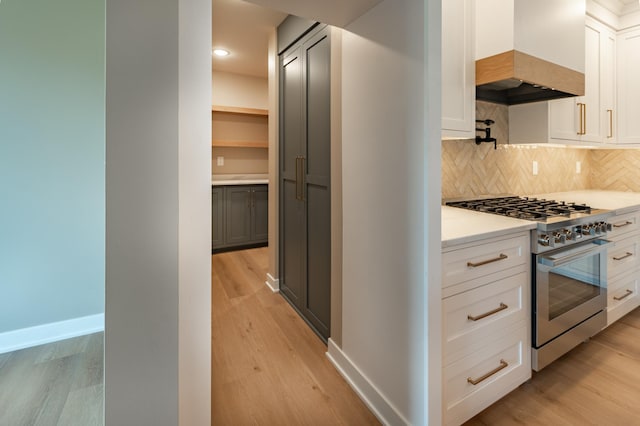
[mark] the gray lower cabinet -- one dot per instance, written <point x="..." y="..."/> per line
<point x="217" y="216"/>
<point x="260" y="217"/>
<point x="240" y="216"/>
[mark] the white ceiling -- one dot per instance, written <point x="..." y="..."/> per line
<point x="243" y="29"/>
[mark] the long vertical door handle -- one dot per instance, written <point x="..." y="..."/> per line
<point x="610" y="112"/>
<point x="298" y="178"/>
<point x="303" y="173"/>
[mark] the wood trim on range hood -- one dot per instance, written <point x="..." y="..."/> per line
<point x="514" y="77"/>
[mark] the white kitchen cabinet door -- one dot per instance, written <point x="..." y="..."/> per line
<point x="608" y="80"/>
<point x="629" y="87"/>
<point x="583" y="120"/>
<point x="458" y="70"/>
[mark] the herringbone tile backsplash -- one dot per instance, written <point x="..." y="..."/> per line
<point x="617" y="170"/>
<point x="470" y="170"/>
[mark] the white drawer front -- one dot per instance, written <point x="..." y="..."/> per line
<point x="624" y="224"/>
<point x="473" y="318"/>
<point x="480" y="260"/>
<point x="504" y="365"/>
<point x="623" y="257"/>
<point x="622" y="297"/>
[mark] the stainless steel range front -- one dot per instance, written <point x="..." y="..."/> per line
<point x="569" y="270"/>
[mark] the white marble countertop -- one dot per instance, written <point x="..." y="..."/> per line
<point x="239" y="179"/>
<point x="620" y="202"/>
<point x="461" y="226"/>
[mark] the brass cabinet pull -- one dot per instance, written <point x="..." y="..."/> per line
<point x="484" y="262"/>
<point x="626" y="294"/>
<point x="299" y="178"/>
<point x="300" y="173"/>
<point x="503" y="365"/>
<point x="297" y="174"/>
<point x="616" y="225"/>
<point x="582" y="118"/>
<point x="623" y="257"/>
<point x="502" y="307"/>
<point x="610" y="112"/>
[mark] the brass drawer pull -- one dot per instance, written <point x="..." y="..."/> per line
<point x="486" y="314"/>
<point x="623" y="257"/>
<point x="615" y="225"/>
<point x="484" y="262"/>
<point x="503" y="365"/>
<point x="626" y="294"/>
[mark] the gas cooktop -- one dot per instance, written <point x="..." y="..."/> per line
<point x="559" y="224"/>
<point x="549" y="214"/>
<point x="523" y="207"/>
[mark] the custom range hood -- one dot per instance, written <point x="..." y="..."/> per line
<point x="529" y="51"/>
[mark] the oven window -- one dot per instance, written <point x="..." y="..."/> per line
<point x="573" y="284"/>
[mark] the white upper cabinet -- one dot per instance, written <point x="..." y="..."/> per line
<point x="585" y="120"/>
<point x="458" y="70"/>
<point x="629" y="87"/>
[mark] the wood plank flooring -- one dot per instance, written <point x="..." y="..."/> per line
<point x="59" y="383"/>
<point x="597" y="383"/>
<point x="268" y="367"/>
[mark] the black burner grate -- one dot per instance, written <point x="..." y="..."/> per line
<point x="522" y="207"/>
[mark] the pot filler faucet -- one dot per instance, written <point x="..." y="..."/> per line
<point x="487" y="133"/>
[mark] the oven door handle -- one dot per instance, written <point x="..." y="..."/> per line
<point x="545" y="263"/>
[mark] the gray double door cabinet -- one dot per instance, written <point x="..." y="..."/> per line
<point x="304" y="179"/>
<point x="240" y="216"/>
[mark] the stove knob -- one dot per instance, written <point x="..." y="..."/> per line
<point x="569" y="234"/>
<point x="588" y="229"/>
<point x="559" y="238"/>
<point x="543" y="240"/>
<point x="605" y="226"/>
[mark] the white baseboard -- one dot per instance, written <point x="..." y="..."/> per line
<point x="370" y="395"/>
<point x="52" y="332"/>
<point x="273" y="283"/>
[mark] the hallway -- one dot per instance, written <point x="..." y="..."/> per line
<point x="268" y="367"/>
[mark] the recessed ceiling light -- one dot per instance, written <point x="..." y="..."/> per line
<point x="220" y="52"/>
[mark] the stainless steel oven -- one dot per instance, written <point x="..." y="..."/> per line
<point x="569" y="269"/>
<point x="570" y="298"/>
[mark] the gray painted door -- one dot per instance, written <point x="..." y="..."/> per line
<point x="305" y="129"/>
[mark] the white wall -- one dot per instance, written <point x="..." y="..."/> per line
<point x="158" y="312"/>
<point x="386" y="179"/>
<point x="238" y="90"/>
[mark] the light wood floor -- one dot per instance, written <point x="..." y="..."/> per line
<point x="597" y="383"/>
<point x="268" y="367"/>
<point x="58" y="383"/>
